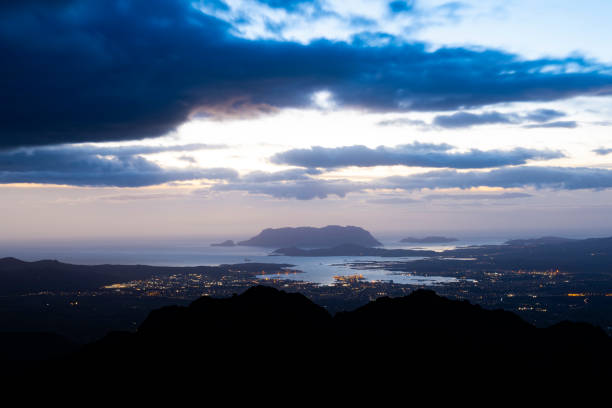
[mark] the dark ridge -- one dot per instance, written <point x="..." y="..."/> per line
<point x="269" y="334"/>
<point x="310" y="237"/>
<point x="10" y="261"/>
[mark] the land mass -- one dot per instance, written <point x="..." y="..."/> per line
<point x="429" y="240"/>
<point x="593" y="255"/>
<point x="228" y="243"/>
<point x="539" y="241"/>
<point x="19" y="277"/>
<point x="310" y="237"/>
<point x="543" y="282"/>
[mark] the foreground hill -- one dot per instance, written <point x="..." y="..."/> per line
<point x="267" y="333"/>
<point x="310" y="237"/>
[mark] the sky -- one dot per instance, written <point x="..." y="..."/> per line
<point x="135" y="119"/>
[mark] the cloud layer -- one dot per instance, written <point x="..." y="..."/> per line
<point x="558" y="178"/>
<point x="85" y="70"/>
<point x="99" y="166"/>
<point x="467" y="119"/>
<point x="414" y="155"/>
<point x="537" y="177"/>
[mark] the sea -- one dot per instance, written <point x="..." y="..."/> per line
<point x="191" y="252"/>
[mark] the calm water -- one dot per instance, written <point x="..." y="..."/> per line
<point x="189" y="253"/>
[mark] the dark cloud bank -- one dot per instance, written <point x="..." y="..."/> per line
<point x="100" y="166"/>
<point x="75" y="71"/>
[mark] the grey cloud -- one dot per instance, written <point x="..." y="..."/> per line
<point x="139" y="197"/>
<point x="602" y="151"/>
<point x="402" y="122"/>
<point x="477" y="196"/>
<point x="558" y="178"/>
<point x="188" y="159"/>
<point x="415" y="155"/>
<point x="284" y="175"/>
<point x="567" y="124"/>
<point x="467" y="119"/>
<point x="300" y="189"/>
<point x="89" y="165"/>
<point x="544" y="115"/>
<point x="393" y="201"/>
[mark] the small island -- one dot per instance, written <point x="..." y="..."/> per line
<point x="429" y="240"/>
<point x="311" y="237"/>
<point x="228" y="243"/>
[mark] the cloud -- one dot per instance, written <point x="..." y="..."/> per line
<point x="393" y="201"/>
<point x="544" y="115"/>
<point x="567" y="124"/>
<point x="467" y="119"/>
<point x="139" y="197"/>
<point x="292" y="183"/>
<point x="286" y="185"/>
<point x="557" y="178"/>
<point x="403" y="122"/>
<point x="415" y="155"/>
<point x="602" y="151"/>
<point x="300" y="189"/>
<point x="288" y="5"/>
<point x="284" y="175"/>
<point x="76" y="71"/>
<point x="90" y="165"/>
<point x="477" y="196"/>
<point x="401" y="6"/>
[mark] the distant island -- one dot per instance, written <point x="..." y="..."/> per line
<point x="228" y="243"/>
<point x="352" y="250"/>
<point x="429" y="240"/>
<point x="310" y="237"/>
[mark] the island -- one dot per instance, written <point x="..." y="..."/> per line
<point x="429" y="240"/>
<point x="228" y="243"/>
<point x="311" y="237"/>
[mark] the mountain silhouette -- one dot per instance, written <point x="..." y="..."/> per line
<point x="267" y="333"/>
